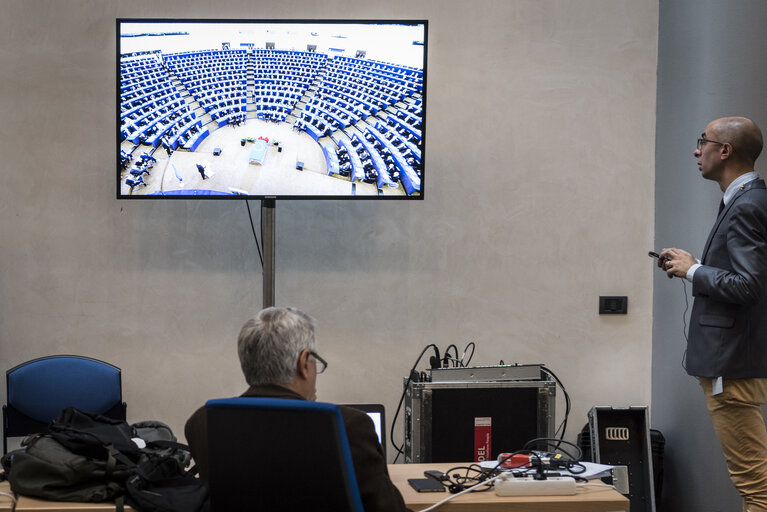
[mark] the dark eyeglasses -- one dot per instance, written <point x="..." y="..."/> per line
<point x="702" y="142"/>
<point x="321" y="363"/>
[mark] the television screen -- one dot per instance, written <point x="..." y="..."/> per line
<point x="271" y="109"/>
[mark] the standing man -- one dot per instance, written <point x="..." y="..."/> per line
<point x="201" y="170"/>
<point x="727" y="343"/>
<point x="278" y="356"/>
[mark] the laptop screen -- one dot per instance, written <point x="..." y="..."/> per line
<point x="376" y="417"/>
<point x="376" y="413"/>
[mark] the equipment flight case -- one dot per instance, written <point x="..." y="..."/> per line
<point x="473" y="414"/>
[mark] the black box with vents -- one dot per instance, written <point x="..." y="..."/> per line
<point x="440" y="417"/>
<point x="621" y="437"/>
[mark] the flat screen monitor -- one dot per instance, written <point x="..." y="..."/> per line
<point x="257" y="109"/>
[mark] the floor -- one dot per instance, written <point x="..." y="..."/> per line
<point x="231" y="172"/>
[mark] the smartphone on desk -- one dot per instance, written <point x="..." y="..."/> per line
<point x="426" y="485"/>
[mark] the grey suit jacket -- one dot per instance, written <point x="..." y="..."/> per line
<point x="728" y="324"/>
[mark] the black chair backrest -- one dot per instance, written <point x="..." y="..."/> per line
<point x="276" y="454"/>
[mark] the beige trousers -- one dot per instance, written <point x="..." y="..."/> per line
<point x="738" y="422"/>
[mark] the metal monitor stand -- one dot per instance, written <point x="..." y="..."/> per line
<point x="267" y="230"/>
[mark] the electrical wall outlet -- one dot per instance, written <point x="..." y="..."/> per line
<point x="613" y="305"/>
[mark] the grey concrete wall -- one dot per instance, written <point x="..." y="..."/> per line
<point x="540" y="150"/>
<point x="710" y="64"/>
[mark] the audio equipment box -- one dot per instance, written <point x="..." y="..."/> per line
<point x="473" y="414"/>
<point x="621" y="437"/>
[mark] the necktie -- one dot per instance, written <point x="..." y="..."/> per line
<point x="721" y="207"/>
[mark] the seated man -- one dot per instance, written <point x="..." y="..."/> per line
<point x="135" y="182"/>
<point x="139" y="170"/>
<point x="146" y="157"/>
<point x="278" y="357"/>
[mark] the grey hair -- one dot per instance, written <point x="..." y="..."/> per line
<point x="269" y="345"/>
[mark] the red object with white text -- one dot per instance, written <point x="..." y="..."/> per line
<point x="482" y="438"/>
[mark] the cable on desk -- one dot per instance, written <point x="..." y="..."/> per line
<point x="472" y="474"/>
<point x="470" y="489"/>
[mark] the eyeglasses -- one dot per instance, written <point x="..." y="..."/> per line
<point x="702" y="142"/>
<point x="321" y="363"/>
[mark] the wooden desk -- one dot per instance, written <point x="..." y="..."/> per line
<point x="6" y="503"/>
<point x="587" y="499"/>
<point x="26" y="503"/>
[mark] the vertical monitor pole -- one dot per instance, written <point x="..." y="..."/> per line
<point x="267" y="234"/>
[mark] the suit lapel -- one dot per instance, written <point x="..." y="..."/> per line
<point x="757" y="183"/>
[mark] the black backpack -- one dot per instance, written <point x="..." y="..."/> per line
<point x="159" y="484"/>
<point x="93" y="435"/>
<point x="44" y="468"/>
<point x="160" y="441"/>
<point x="88" y="457"/>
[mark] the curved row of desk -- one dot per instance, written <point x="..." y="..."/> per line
<point x="349" y="90"/>
<point x="359" y="149"/>
<point x="408" y="176"/>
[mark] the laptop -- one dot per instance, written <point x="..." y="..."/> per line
<point x="377" y="414"/>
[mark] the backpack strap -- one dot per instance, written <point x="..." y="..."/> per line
<point x="168" y="444"/>
<point x="114" y="456"/>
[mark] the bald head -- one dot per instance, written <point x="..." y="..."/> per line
<point x="742" y="133"/>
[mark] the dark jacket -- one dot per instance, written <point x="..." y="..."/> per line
<point x="377" y="491"/>
<point x="728" y="323"/>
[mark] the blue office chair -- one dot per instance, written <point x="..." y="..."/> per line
<point x="279" y="454"/>
<point x="39" y="389"/>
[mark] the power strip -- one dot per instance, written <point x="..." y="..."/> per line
<point x="509" y="485"/>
